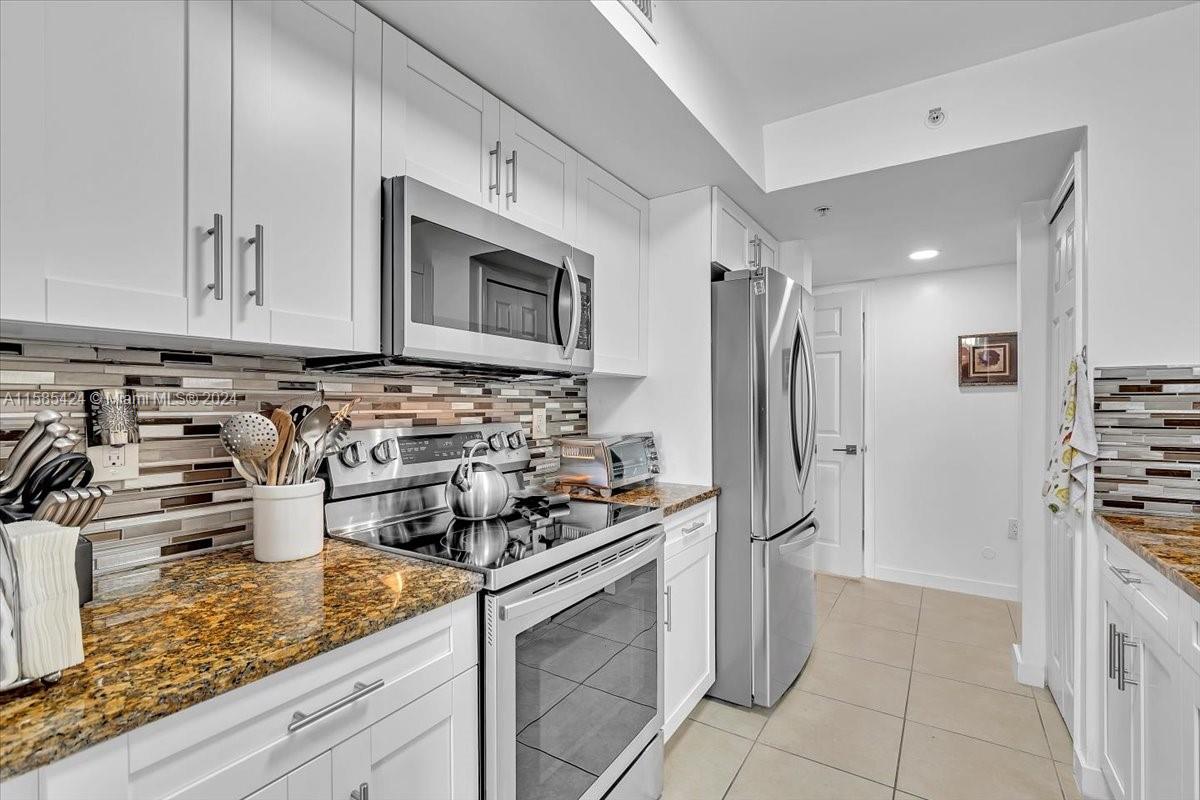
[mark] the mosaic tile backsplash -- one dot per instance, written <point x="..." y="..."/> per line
<point x="187" y="499"/>
<point x="1148" y="423"/>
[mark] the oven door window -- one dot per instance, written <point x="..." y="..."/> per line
<point x="460" y="282"/>
<point x="587" y="686"/>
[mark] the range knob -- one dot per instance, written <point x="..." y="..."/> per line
<point x="516" y="439"/>
<point x="496" y="442"/>
<point x="353" y="454"/>
<point x="385" y="451"/>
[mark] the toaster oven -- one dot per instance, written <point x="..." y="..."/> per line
<point x="604" y="463"/>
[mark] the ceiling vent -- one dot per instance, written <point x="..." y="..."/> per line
<point x="643" y="12"/>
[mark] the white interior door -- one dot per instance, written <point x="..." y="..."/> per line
<point x="1064" y="550"/>
<point x="837" y="334"/>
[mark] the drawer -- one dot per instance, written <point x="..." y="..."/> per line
<point x="240" y="740"/>
<point x="1155" y="599"/>
<point x="690" y="526"/>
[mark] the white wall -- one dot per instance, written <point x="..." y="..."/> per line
<point x="1137" y="89"/>
<point x="675" y="399"/>
<point x="943" y="458"/>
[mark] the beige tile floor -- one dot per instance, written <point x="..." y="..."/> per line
<point x="908" y="695"/>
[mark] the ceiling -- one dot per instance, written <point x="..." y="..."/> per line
<point x="793" y="56"/>
<point x="965" y="205"/>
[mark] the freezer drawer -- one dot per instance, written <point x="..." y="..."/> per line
<point x="784" y="599"/>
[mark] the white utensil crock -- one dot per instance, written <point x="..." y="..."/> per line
<point x="289" y="521"/>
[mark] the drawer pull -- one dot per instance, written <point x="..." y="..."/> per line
<point x="1127" y="576"/>
<point x="301" y="720"/>
<point x="695" y="526"/>
<point x="1123" y="642"/>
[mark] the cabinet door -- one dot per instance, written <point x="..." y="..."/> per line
<point x="539" y="177"/>
<point x="689" y="646"/>
<point x="439" y="126"/>
<point x="310" y="781"/>
<point x="614" y="228"/>
<point x="1118" y="714"/>
<point x="95" y="118"/>
<point x="1190" y="752"/>
<point x="293" y="138"/>
<point x="1157" y="670"/>
<point x="731" y="233"/>
<point x="768" y="249"/>
<point x="428" y="750"/>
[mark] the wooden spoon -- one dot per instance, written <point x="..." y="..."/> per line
<point x="277" y="461"/>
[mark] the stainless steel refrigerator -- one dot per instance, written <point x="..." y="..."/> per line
<point x="764" y="438"/>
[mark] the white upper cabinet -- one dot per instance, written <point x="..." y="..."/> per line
<point x="614" y="226"/>
<point x="438" y="126"/>
<point x="539" y="177"/>
<point x="738" y="242"/>
<point x="293" y="173"/>
<point x="94" y="114"/>
<point x="132" y="130"/>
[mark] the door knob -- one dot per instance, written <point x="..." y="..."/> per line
<point x="850" y="449"/>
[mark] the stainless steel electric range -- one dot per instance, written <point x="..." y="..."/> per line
<point x="571" y="642"/>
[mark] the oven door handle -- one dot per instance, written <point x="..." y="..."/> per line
<point x="593" y="582"/>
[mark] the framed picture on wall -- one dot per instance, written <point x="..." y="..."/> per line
<point x="987" y="359"/>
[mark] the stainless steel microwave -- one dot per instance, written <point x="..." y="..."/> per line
<point x="463" y="285"/>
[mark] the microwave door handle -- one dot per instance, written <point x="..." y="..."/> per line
<point x="568" y="348"/>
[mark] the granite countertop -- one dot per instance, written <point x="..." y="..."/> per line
<point x="158" y="640"/>
<point x="670" y="497"/>
<point x="1169" y="544"/>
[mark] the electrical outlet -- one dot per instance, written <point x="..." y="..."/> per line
<point x="1013" y="529"/>
<point x="539" y="423"/>
<point x="114" y="463"/>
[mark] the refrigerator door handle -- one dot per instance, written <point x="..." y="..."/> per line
<point x="801" y="542"/>
<point x="804" y="449"/>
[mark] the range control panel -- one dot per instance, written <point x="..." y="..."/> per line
<point x="383" y="459"/>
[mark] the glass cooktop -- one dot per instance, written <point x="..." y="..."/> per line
<point x="524" y="540"/>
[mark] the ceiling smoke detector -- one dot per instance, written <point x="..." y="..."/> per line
<point x="823" y="211"/>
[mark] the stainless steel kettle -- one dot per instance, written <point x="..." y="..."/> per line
<point x="476" y="490"/>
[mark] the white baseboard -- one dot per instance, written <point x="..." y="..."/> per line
<point x="1092" y="784"/>
<point x="1028" y="673"/>
<point x="1001" y="591"/>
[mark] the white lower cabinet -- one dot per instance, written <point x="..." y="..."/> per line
<point x="689" y="641"/>
<point x="1149" y="695"/>
<point x="396" y="712"/>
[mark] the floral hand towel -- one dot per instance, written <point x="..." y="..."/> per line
<point x="1075" y="447"/>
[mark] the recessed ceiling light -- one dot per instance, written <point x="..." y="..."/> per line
<point x="823" y="211"/>
<point x="923" y="255"/>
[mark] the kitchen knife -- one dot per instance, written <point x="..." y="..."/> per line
<point x="40" y="420"/>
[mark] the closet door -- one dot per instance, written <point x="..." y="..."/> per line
<point x="293" y="144"/>
<point x="94" y="115"/>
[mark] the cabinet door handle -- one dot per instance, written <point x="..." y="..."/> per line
<point x="495" y="155"/>
<point x="259" y="246"/>
<point x="668" y="621"/>
<point x="361" y="793"/>
<point x="217" y="232"/>
<point x="1123" y="679"/>
<point x="511" y="194"/>
<point x="300" y="720"/>
<point x="695" y="526"/>
<point x="1127" y="576"/>
<point x="1112" y="651"/>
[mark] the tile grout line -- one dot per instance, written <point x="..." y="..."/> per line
<point x="1049" y="749"/>
<point x="907" y="697"/>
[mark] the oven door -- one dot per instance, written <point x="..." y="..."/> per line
<point x="573" y="674"/>
<point x="464" y="284"/>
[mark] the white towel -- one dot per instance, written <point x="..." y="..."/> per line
<point x="1075" y="447"/>
<point x="10" y="668"/>
<point x="46" y="611"/>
